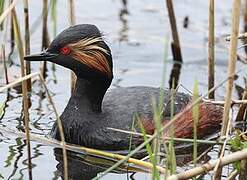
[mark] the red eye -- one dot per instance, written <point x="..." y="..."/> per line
<point x="65" y="50"/>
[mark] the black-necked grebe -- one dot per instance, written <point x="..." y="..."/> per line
<point x="91" y="109"/>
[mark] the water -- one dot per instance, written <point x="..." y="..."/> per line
<point x="137" y="40"/>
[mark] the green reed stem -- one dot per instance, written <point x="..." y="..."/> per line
<point x="195" y="113"/>
<point x="2" y="2"/>
<point x="156" y="142"/>
<point x="155" y="173"/>
<point x="171" y="150"/>
<point x="24" y="88"/>
<point x="54" y="16"/>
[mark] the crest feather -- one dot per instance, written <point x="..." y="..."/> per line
<point x="90" y="53"/>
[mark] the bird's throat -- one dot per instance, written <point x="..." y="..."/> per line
<point x="90" y="93"/>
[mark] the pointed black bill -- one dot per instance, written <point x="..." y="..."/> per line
<point x="44" y="56"/>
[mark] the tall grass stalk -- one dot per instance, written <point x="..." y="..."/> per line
<point x="152" y="157"/>
<point x="231" y="71"/>
<point x="5" y="64"/>
<point x="163" y="80"/>
<point x="176" y="49"/>
<point x="53" y="5"/>
<point x="211" y="48"/>
<point x="24" y="89"/>
<point x="8" y="10"/>
<point x="131" y="137"/>
<point x="171" y="157"/>
<point x="132" y="129"/>
<point x="195" y="113"/>
<point x="157" y="124"/>
<point x="54" y="16"/>
<point x="2" y="6"/>
<point x="45" y="35"/>
<point x="3" y="16"/>
<point x="72" y="21"/>
<point x="2" y="2"/>
<point x="27" y="42"/>
<point x="231" y="62"/>
<point x="158" y="112"/>
<point x="12" y="38"/>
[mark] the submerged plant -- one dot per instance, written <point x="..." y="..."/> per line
<point x="1" y="11"/>
<point x="238" y="143"/>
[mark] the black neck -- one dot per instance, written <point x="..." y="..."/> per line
<point x="91" y="92"/>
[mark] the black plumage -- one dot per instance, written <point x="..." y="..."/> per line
<point x="91" y="109"/>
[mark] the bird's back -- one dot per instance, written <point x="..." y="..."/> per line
<point x="118" y="109"/>
<point x="121" y="104"/>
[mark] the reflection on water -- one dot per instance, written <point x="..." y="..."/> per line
<point x="88" y="166"/>
<point x="15" y="156"/>
<point x="17" y="160"/>
<point x="174" y="76"/>
<point x="123" y="33"/>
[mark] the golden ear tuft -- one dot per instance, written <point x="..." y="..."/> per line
<point x="90" y="53"/>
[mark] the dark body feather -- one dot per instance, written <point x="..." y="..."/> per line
<point x="87" y="128"/>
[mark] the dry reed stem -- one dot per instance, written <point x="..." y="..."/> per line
<point x="12" y="40"/>
<point x="5" y="36"/>
<point x="16" y="82"/>
<point x="72" y="22"/>
<point x="72" y="19"/>
<point x="27" y="43"/>
<point x="45" y="38"/>
<point x="60" y="128"/>
<point x="231" y="63"/>
<point x="5" y="65"/>
<point x="243" y="108"/>
<point x="228" y="159"/>
<point x="201" y="141"/>
<point x="231" y="70"/>
<point x="217" y="168"/>
<point x="7" y="11"/>
<point x="24" y="89"/>
<point x="232" y="175"/>
<point x="176" y="49"/>
<point x="233" y="102"/>
<point x="211" y="50"/>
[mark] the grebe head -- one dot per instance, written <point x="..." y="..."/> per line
<point x="81" y="49"/>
